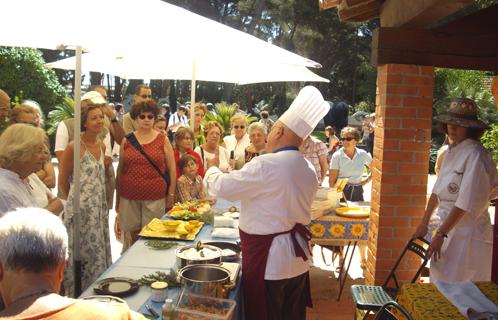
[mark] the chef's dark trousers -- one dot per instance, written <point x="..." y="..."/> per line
<point x="286" y="299"/>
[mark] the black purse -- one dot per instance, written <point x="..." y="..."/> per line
<point x="132" y="139"/>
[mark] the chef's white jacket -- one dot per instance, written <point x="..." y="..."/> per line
<point x="276" y="191"/>
<point x="468" y="179"/>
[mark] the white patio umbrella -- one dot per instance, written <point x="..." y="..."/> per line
<point x="158" y="66"/>
<point x="79" y="24"/>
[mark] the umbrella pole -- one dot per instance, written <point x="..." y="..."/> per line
<point x="76" y="175"/>
<point x="192" y="97"/>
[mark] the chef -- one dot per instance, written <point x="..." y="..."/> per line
<point x="276" y="191"/>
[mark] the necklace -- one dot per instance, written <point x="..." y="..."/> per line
<point x="33" y="294"/>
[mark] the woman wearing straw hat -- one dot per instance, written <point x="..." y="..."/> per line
<point x="468" y="179"/>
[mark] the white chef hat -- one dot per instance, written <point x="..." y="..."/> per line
<point x="305" y="112"/>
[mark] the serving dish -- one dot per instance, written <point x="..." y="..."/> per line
<point x="353" y="212"/>
<point x="172" y="229"/>
<point x="117" y="286"/>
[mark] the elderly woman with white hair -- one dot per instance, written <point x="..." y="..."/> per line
<point x="23" y="151"/>
<point x="257" y="134"/>
<point x="238" y="141"/>
<point x="33" y="254"/>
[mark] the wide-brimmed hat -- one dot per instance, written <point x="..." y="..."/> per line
<point x="462" y="112"/>
<point x="94" y="97"/>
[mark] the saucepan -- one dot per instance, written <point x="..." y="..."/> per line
<point x="206" y="279"/>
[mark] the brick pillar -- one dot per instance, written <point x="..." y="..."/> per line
<point x="400" y="165"/>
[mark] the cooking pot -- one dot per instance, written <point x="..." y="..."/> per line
<point x="206" y="279"/>
<point x="197" y="254"/>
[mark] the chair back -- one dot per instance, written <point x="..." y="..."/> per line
<point x="418" y="246"/>
<point x="385" y="312"/>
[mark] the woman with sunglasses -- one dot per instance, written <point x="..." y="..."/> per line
<point x="349" y="162"/>
<point x="239" y="140"/>
<point x="146" y="157"/>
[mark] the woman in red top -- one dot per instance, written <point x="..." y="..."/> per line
<point x="142" y="190"/>
<point x="184" y="139"/>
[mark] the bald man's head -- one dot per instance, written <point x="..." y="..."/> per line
<point x="4" y="106"/>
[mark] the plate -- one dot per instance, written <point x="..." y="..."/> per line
<point x="120" y="287"/>
<point x="353" y="212"/>
<point x="171" y="229"/>
<point x="226" y="245"/>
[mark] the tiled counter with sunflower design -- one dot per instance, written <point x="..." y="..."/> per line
<point x="333" y="230"/>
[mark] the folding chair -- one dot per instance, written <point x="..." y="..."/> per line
<point x="372" y="298"/>
<point x="386" y="314"/>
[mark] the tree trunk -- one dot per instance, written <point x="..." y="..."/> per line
<point x="118" y="86"/>
<point x="258" y="10"/>
<point x="96" y="78"/>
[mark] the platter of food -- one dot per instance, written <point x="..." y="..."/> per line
<point x="189" y="210"/>
<point x="119" y="286"/>
<point x="353" y="212"/>
<point x="172" y="229"/>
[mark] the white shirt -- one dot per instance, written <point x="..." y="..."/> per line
<point x="174" y="119"/>
<point x="468" y="179"/>
<point x="276" y="191"/>
<point x="14" y="192"/>
<point x="352" y="169"/>
<point x="39" y="190"/>
<point x="62" y="140"/>
<point x="239" y="148"/>
<point x="224" y="156"/>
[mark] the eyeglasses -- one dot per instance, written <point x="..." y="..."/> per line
<point x="146" y="96"/>
<point x="237" y="127"/>
<point x="346" y="138"/>
<point x="148" y="116"/>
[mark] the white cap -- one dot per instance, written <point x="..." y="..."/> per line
<point x="94" y="97"/>
<point x="305" y="112"/>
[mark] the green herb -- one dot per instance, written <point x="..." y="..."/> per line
<point x="160" y="245"/>
<point x="169" y="278"/>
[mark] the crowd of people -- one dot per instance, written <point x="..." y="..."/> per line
<point x="274" y="168"/>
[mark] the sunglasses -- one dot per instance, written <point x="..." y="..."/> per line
<point x="239" y="127"/>
<point x="347" y="138"/>
<point x="148" y="116"/>
<point x="146" y="96"/>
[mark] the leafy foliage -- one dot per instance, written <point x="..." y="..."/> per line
<point x="490" y="141"/>
<point x="23" y="76"/>
<point x="223" y="114"/>
<point x="452" y="83"/>
<point x="61" y="112"/>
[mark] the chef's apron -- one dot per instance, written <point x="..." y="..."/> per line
<point x="255" y="250"/>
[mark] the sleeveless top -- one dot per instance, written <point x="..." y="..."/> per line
<point x="139" y="180"/>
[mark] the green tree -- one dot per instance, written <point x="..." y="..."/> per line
<point x="23" y="75"/>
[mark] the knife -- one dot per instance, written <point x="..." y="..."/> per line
<point x="152" y="311"/>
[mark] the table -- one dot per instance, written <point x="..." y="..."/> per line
<point x="424" y="301"/>
<point x="332" y="230"/>
<point x="139" y="260"/>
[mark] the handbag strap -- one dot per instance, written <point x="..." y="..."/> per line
<point x="132" y="139"/>
<point x="202" y="155"/>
